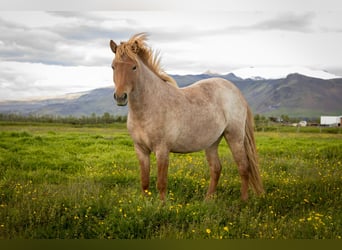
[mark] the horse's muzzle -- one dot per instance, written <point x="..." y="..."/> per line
<point x="121" y="100"/>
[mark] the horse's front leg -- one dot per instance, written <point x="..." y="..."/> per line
<point x="163" y="164"/>
<point x="144" y="161"/>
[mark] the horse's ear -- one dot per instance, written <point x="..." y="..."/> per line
<point x="113" y="46"/>
<point x="135" y="47"/>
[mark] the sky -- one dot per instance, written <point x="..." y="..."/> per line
<point x="49" y="48"/>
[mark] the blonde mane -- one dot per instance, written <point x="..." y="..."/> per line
<point x="136" y="46"/>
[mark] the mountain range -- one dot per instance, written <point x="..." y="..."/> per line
<point x="295" y="95"/>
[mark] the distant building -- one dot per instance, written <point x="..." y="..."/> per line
<point x="302" y="124"/>
<point x="331" y="121"/>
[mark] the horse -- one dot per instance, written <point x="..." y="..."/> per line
<point x="164" y="118"/>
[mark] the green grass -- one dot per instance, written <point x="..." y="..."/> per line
<point x="60" y="181"/>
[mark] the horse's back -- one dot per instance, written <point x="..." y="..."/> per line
<point x="216" y="87"/>
<point x="225" y="97"/>
<point x="216" y="90"/>
<point x="212" y="82"/>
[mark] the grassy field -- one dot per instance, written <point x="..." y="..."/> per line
<point x="60" y="181"/>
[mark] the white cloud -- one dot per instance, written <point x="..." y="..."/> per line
<point x="194" y="5"/>
<point x="41" y="80"/>
<point x="45" y="53"/>
<point x="280" y="72"/>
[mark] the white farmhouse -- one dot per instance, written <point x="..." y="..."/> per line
<point x="331" y="121"/>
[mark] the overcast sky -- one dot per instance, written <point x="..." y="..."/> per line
<point x="48" y="50"/>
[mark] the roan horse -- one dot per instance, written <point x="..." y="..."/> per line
<point x="163" y="118"/>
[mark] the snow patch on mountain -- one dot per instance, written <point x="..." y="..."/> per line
<point x="258" y="73"/>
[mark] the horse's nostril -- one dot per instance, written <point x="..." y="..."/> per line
<point x="121" y="100"/>
<point x="124" y="96"/>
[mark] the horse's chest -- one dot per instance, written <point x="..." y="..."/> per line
<point x="143" y="135"/>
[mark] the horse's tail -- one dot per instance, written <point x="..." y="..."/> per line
<point x="252" y="156"/>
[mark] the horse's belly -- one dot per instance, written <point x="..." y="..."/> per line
<point x="190" y="147"/>
<point x="197" y="133"/>
<point x="195" y="142"/>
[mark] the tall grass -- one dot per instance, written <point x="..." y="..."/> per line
<point x="65" y="182"/>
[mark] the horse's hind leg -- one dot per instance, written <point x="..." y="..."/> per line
<point x="236" y="145"/>
<point x="214" y="166"/>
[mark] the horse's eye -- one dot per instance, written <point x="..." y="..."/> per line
<point x="113" y="67"/>
<point x="134" y="68"/>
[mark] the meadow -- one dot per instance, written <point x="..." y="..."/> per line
<point x="61" y="181"/>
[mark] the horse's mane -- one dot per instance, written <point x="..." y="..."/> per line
<point x="136" y="46"/>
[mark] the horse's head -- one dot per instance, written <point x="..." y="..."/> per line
<point x="124" y="67"/>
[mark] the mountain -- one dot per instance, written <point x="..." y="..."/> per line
<point x="260" y="73"/>
<point x="96" y="101"/>
<point x="294" y="95"/>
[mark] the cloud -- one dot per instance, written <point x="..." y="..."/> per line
<point x="39" y="80"/>
<point x="218" y="24"/>
<point x="287" y="22"/>
<point x="81" y="38"/>
<point x="75" y="44"/>
<point x="194" y="5"/>
<point x="25" y="44"/>
<point x="78" y="39"/>
<point x="263" y="21"/>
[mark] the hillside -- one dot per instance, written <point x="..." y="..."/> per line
<point x="295" y="95"/>
<point x="97" y="101"/>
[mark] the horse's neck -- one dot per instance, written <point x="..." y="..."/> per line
<point x="149" y="91"/>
